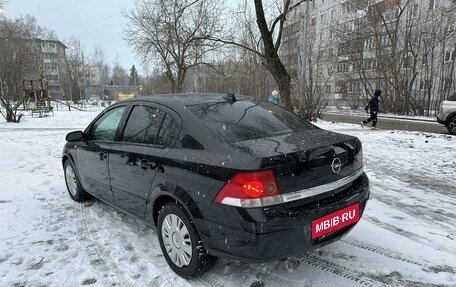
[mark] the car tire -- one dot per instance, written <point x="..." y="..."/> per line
<point x="72" y="183"/>
<point x="180" y="243"/>
<point x="451" y="127"/>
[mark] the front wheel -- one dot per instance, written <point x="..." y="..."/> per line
<point x="180" y="243"/>
<point x="452" y="126"/>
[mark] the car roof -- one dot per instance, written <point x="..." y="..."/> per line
<point x="186" y="99"/>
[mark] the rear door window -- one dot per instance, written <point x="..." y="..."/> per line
<point x="244" y="120"/>
<point x="168" y="131"/>
<point x="143" y="125"/>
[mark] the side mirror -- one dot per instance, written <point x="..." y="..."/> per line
<point x="76" y="136"/>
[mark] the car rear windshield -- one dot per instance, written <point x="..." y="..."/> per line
<point x="245" y="120"/>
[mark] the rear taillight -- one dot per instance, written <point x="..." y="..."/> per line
<point x="250" y="189"/>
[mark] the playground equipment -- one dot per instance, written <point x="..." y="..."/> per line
<point x="36" y="96"/>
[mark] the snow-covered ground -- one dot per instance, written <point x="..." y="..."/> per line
<point x="407" y="236"/>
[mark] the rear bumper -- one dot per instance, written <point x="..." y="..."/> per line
<point x="265" y="234"/>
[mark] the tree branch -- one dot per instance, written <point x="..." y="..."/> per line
<point x="229" y="42"/>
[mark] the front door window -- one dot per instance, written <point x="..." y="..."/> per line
<point x="105" y="128"/>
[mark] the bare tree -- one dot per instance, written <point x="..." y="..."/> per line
<point x="76" y="67"/>
<point x="154" y="83"/>
<point x="238" y="72"/>
<point x="395" y="46"/>
<point x="97" y="60"/>
<point x="19" y="56"/>
<point x="119" y="76"/>
<point x="314" y="88"/>
<point x="270" y="26"/>
<point x="174" y="34"/>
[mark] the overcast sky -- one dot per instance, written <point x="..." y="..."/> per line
<point x="94" y="22"/>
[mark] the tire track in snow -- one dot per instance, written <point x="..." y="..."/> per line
<point x="338" y="270"/>
<point x="362" y="278"/>
<point x="99" y="254"/>
<point x="409" y="235"/>
<point x="419" y="212"/>
<point x="381" y="251"/>
<point x="207" y="280"/>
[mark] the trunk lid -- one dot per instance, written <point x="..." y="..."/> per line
<point x="306" y="159"/>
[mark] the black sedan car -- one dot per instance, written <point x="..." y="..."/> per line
<point x="220" y="176"/>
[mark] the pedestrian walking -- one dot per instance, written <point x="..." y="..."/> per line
<point x="372" y="109"/>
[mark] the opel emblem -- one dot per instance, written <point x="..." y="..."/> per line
<point x="336" y="165"/>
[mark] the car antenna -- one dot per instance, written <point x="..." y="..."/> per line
<point x="230" y="98"/>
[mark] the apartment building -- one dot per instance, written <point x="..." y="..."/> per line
<point x="53" y="69"/>
<point x="348" y="48"/>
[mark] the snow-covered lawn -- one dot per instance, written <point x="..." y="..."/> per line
<point x="407" y="236"/>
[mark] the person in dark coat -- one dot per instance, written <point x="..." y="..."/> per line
<point x="372" y="109"/>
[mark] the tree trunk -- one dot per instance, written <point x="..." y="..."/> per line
<point x="273" y="62"/>
<point x="284" y="83"/>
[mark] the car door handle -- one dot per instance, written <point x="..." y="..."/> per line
<point x="146" y="164"/>
<point x="102" y="156"/>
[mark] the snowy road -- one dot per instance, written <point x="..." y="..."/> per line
<point x="406" y="238"/>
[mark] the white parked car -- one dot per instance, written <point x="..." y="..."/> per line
<point x="447" y="114"/>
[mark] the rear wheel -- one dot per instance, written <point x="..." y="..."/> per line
<point x="180" y="243"/>
<point x="72" y="182"/>
<point x="452" y="126"/>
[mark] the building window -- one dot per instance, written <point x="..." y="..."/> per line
<point x="369" y="43"/>
<point x="450" y="56"/>
<point x="332" y="14"/>
<point x="425" y="59"/>
<point x="354" y="87"/>
<point x="370" y="64"/>
<point x="384" y="40"/>
<point x="391" y="15"/>
<point x="345" y="7"/>
<point x="433" y="4"/>
<point x="322" y="18"/>
<point x="52" y="78"/>
<point x="406" y="62"/>
<point x="50" y="67"/>
<point x="412" y="11"/>
<point x="349" y="26"/>
<point x="344" y="67"/>
<point x="50" y="56"/>
<point x="313" y="21"/>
